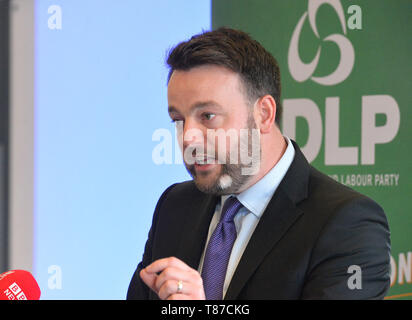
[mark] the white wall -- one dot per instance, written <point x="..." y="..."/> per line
<point x="86" y="99"/>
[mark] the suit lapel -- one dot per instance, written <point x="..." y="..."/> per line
<point x="277" y="219"/>
<point x="279" y="216"/>
<point x="195" y="229"/>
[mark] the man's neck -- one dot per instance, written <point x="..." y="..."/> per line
<point x="272" y="152"/>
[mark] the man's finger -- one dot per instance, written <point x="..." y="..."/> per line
<point x="178" y="296"/>
<point x="149" y="279"/>
<point x="163" y="277"/>
<point x="171" y="273"/>
<point x="161" y="264"/>
<point x="170" y="287"/>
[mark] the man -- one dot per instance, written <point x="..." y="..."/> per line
<point x="283" y="230"/>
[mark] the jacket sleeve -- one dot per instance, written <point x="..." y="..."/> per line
<point x="351" y="258"/>
<point x="137" y="288"/>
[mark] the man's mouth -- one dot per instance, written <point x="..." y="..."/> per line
<point x="204" y="163"/>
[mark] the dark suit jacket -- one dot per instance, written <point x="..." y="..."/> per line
<point x="312" y="231"/>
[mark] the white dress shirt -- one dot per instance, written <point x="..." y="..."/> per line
<point x="254" y="201"/>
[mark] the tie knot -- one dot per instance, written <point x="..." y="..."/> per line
<point x="230" y="208"/>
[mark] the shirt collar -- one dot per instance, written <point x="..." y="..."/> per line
<point x="257" y="197"/>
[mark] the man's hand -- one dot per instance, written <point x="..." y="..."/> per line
<point x="163" y="276"/>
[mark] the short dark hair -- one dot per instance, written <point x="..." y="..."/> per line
<point x="237" y="51"/>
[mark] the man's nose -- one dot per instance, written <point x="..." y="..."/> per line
<point x="193" y="134"/>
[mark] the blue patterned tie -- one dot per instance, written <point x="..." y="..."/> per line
<point x="218" y="251"/>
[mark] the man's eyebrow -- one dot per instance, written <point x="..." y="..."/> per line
<point x="196" y="106"/>
<point x="205" y="104"/>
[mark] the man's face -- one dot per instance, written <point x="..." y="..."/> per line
<point x="201" y="101"/>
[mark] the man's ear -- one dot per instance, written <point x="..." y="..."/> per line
<point x="265" y="113"/>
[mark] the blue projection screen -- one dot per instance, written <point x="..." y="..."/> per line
<point x="100" y="94"/>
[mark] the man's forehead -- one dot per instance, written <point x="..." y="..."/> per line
<point x="207" y="85"/>
<point x="203" y="82"/>
<point x="204" y="71"/>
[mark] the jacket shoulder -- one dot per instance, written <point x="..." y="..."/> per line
<point x="331" y="193"/>
<point x="180" y="193"/>
<point x="351" y="230"/>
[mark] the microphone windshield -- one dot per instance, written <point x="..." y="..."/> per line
<point x="18" y="285"/>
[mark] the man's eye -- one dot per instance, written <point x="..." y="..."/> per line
<point x="209" y="116"/>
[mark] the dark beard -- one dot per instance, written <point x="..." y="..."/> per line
<point x="234" y="171"/>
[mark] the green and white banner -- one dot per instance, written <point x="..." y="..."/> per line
<point x="346" y="81"/>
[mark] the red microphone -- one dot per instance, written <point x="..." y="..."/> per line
<point x="18" y="285"/>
